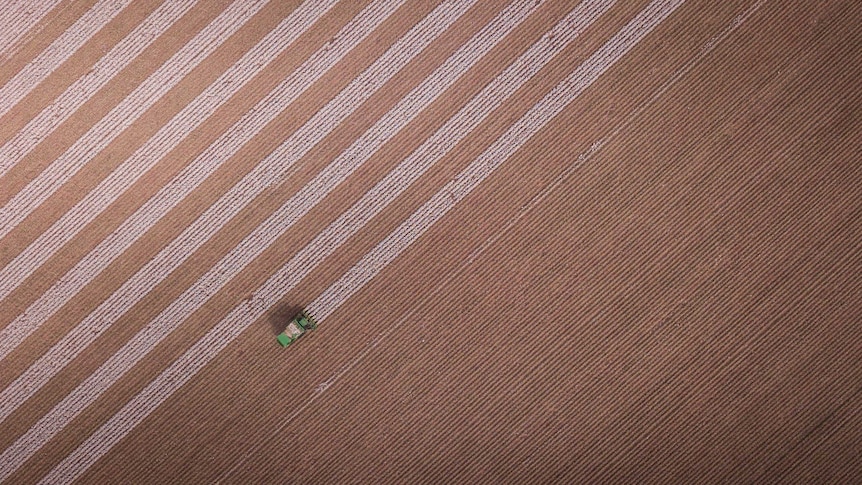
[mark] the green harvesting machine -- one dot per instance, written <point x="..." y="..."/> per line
<point x="296" y="328"/>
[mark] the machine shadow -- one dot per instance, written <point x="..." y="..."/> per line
<point x="280" y="316"/>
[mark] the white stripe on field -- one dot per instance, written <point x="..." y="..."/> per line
<point x="17" y="18"/>
<point x="205" y="349"/>
<point x="54" y="55"/>
<point x="168" y="137"/>
<point x="134" y="289"/>
<point x="120" y="117"/>
<point x="154" y="332"/>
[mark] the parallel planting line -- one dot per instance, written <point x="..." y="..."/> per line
<point x="54" y="55"/>
<point x="17" y="18"/>
<point x="121" y="116"/>
<point x="250" y="310"/>
<point x="114" y="61"/>
<point x="392" y="61"/>
<point x="165" y="140"/>
<point x="160" y="327"/>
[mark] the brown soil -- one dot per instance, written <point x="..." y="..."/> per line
<point x="684" y="307"/>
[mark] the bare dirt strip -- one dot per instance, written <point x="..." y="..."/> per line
<point x="682" y="307"/>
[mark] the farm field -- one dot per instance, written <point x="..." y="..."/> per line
<point x="545" y="241"/>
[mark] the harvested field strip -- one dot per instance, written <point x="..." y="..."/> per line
<point x="835" y="437"/>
